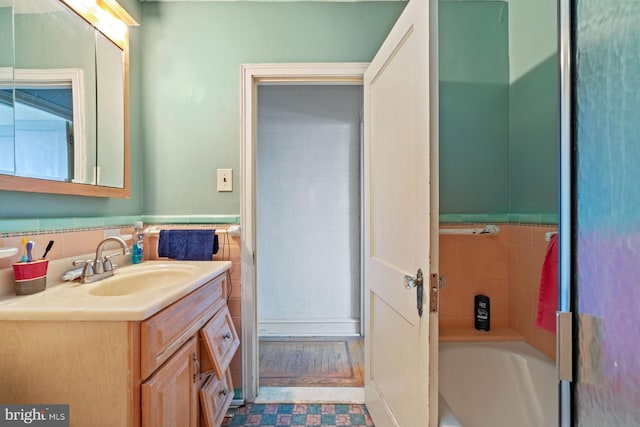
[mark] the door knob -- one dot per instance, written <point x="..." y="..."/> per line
<point x="411" y="282"/>
<point x="417" y="282"/>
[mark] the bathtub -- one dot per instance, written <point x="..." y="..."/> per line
<point x="496" y="384"/>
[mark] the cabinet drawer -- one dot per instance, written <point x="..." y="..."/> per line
<point x="215" y="397"/>
<point x="221" y="340"/>
<point x="166" y="331"/>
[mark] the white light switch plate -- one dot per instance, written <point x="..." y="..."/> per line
<point x="225" y="180"/>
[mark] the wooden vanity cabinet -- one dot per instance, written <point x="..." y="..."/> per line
<point x="185" y="354"/>
<point x="156" y="372"/>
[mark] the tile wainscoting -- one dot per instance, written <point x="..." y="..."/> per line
<point x="506" y="267"/>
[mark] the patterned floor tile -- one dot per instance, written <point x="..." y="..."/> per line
<point x="299" y="415"/>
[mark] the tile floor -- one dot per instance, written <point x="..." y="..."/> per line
<point x="299" y="415"/>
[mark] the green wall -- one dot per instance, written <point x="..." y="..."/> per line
<point x="532" y="34"/>
<point x="474" y="107"/>
<point x="6" y="34"/>
<point x="534" y="140"/>
<point x="497" y="102"/>
<point x="498" y="109"/>
<point x="192" y="52"/>
<point x="534" y="122"/>
<point x="189" y="93"/>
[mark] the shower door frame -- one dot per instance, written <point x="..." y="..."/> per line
<point x="564" y="320"/>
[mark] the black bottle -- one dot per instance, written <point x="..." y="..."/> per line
<point x="482" y="309"/>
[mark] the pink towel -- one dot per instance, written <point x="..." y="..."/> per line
<point x="548" y="294"/>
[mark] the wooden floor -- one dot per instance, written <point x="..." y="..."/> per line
<point x="312" y="362"/>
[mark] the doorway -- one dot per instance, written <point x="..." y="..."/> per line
<point x="308" y="223"/>
<point x="254" y="76"/>
<point x="308" y="209"/>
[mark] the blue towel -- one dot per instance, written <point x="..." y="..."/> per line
<point x="188" y="245"/>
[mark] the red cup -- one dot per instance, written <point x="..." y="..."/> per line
<point x="31" y="277"/>
<point x="30" y="270"/>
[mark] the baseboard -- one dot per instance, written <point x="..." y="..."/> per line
<point x="312" y="327"/>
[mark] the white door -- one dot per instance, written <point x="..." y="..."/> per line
<point x="398" y="214"/>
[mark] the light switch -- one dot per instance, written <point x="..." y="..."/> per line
<point x="225" y="180"/>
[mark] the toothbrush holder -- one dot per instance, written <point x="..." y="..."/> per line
<point x="30" y="277"/>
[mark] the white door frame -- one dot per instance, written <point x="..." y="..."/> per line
<point x="251" y="75"/>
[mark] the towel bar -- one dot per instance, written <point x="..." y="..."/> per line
<point x="489" y="229"/>
<point x="155" y="231"/>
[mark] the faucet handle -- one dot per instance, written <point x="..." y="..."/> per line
<point x="108" y="265"/>
<point x="87" y="271"/>
<point x="81" y="262"/>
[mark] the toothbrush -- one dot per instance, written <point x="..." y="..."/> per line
<point x="24" y="249"/>
<point x="30" y="246"/>
<point x="46" y="251"/>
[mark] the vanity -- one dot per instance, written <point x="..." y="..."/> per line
<point x="123" y="352"/>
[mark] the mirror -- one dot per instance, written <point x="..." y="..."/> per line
<point x="63" y="123"/>
<point x="54" y="93"/>
<point x="110" y="81"/>
<point x="6" y="88"/>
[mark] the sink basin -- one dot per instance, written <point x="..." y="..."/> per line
<point x="142" y="281"/>
<point x="7" y="252"/>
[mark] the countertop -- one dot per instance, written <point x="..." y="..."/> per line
<point x="73" y="301"/>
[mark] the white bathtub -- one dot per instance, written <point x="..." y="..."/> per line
<point x="496" y="384"/>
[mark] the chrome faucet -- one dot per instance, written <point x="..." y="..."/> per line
<point x="101" y="267"/>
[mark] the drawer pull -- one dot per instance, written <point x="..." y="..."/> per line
<point x="224" y="391"/>
<point x="227" y="336"/>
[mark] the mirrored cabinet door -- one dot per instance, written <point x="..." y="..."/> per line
<point x="6" y="89"/>
<point x="110" y="94"/>
<point x="64" y="97"/>
<point x="55" y="93"/>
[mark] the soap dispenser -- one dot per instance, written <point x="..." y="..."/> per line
<point x="137" y="255"/>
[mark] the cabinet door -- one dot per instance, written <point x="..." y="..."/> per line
<point x="169" y="397"/>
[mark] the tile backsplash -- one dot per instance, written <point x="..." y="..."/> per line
<point x="506" y="267"/>
<point x="229" y="250"/>
<point x="67" y="243"/>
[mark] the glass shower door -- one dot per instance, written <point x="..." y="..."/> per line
<point x="606" y="133"/>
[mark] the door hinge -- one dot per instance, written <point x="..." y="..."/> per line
<point x="434" y="286"/>
<point x="196" y="366"/>
<point x="564" y="350"/>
